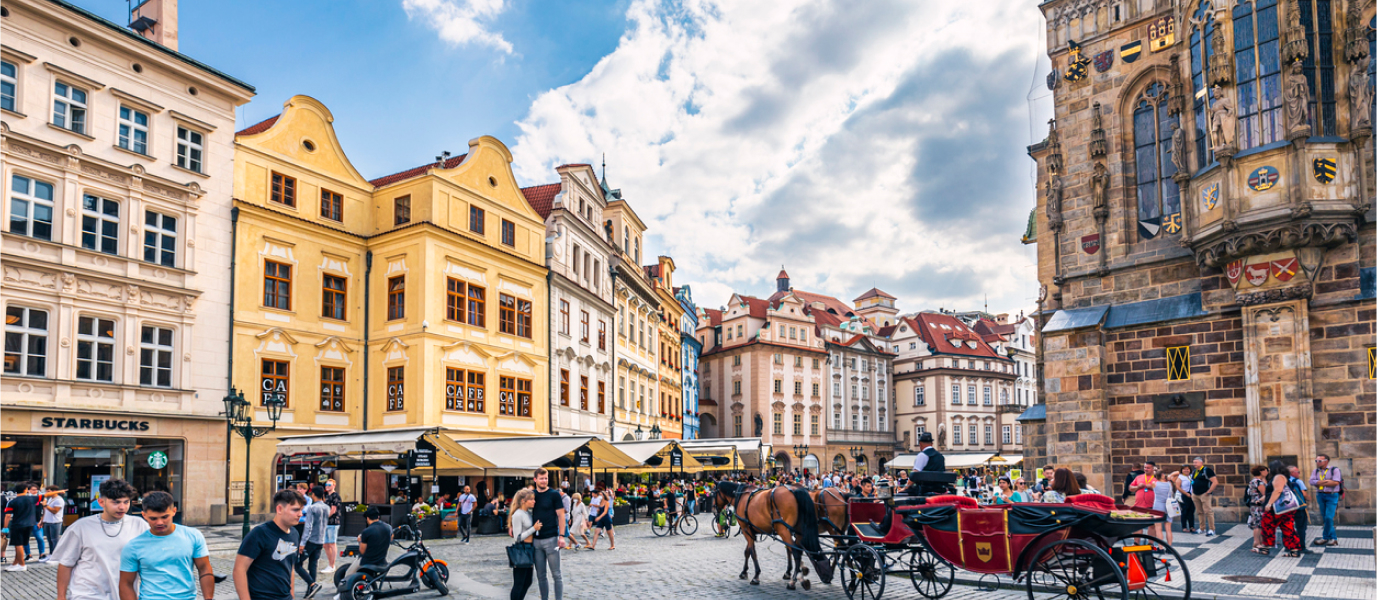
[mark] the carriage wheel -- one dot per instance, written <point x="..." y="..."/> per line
<point x="1172" y="580"/>
<point x="1075" y="570"/>
<point x="931" y="575"/>
<point x="863" y="573"/>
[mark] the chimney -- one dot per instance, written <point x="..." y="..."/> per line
<point x="157" y="21"/>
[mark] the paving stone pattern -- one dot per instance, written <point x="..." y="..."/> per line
<point x="702" y="567"/>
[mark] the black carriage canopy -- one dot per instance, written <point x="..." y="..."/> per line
<point x="1034" y="519"/>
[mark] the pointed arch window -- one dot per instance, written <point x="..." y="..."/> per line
<point x="1257" y="69"/>
<point x="1159" y="199"/>
<point x="1318" y="20"/>
<point x="1200" y="60"/>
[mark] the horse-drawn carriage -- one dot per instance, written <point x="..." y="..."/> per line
<point x="1087" y="547"/>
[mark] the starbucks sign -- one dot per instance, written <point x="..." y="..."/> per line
<point x="157" y="459"/>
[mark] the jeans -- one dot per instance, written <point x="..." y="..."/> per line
<point x="521" y="581"/>
<point x="466" y="527"/>
<point x="52" y="531"/>
<point x="42" y="542"/>
<point x="1204" y="511"/>
<point x="547" y="554"/>
<point x="1329" y="504"/>
<point x="1302" y="522"/>
<point x="306" y="562"/>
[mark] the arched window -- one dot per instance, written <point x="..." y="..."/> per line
<point x="1159" y="200"/>
<point x="1257" y="67"/>
<point x="1318" y="21"/>
<point x="1200" y="60"/>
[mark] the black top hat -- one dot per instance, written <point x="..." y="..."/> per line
<point x="925" y="437"/>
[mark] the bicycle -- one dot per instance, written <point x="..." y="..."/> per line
<point x="723" y="522"/>
<point x="684" y="522"/>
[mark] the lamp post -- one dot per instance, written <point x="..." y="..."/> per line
<point x="640" y="433"/>
<point x="801" y="451"/>
<point x="655" y="431"/>
<point x="239" y="414"/>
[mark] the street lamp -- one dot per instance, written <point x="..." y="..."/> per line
<point x="239" y="416"/>
<point x="655" y="431"/>
<point x="856" y="452"/>
<point x="640" y="433"/>
<point x="801" y="451"/>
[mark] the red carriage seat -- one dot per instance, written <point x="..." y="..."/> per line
<point x="867" y="519"/>
<point x="1095" y="501"/>
<point x="959" y="501"/>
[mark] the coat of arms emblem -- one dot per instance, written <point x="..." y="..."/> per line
<point x="1256" y="274"/>
<point x="1091" y="243"/>
<point x="1209" y="196"/>
<point x="1325" y="169"/>
<point x="984" y="551"/>
<point x="1162" y="33"/>
<point x="1104" y="60"/>
<point x="1233" y="271"/>
<point x="1284" y="270"/>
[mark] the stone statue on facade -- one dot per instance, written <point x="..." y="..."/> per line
<point x="1360" y="95"/>
<point x="1099" y="186"/>
<point x="1054" y="163"/>
<point x="759" y="425"/>
<point x="1221" y="67"/>
<point x="1054" y="201"/>
<point x="1222" y="122"/>
<point x="1296" y="47"/>
<point x="1178" y="148"/>
<point x="1296" y="101"/>
<point x="1098" y="146"/>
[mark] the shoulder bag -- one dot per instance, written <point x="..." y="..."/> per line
<point x="521" y="554"/>
<point x="1287" y="503"/>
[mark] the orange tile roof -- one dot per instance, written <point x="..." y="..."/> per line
<point x="258" y="127"/>
<point x="874" y="292"/>
<point x="542" y="197"/>
<point x="416" y="171"/>
<point x="929" y="327"/>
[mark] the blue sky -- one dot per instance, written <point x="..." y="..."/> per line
<point x="879" y="143"/>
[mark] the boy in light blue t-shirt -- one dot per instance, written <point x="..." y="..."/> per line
<point x="164" y="556"/>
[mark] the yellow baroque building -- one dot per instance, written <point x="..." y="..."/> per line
<point x="671" y="402"/>
<point x="415" y="299"/>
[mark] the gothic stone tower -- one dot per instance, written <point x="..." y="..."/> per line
<point x="1205" y="209"/>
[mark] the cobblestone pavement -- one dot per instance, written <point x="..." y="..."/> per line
<point x="703" y="567"/>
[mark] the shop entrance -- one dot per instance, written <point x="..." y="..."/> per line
<point x="82" y="463"/>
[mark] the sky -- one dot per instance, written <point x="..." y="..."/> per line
<point x="856" y="144"/>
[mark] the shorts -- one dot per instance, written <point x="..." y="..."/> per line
<point x="19" y="536"/>
<point x="331" y="533"/>
<point x="604" y="523"/>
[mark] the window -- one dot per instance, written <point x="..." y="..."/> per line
<point x="798" y="361"/>
<point x="736" y="425"/>
<point x="1159" y="199"/>
<point x="133" y="130"/>
<point x="836" y="390"/>
<point x="283" y="189"/>
<point x="1018" y="434"/>
<point x="454" y="300"/>
<point x="779" y="358"/>
<point x="988" y="397"/>
<point x="189" y="150"/>
<point x="865" y="422"/>
<point x="778" y="424"/>
<point x="989" y="435"/>
<point x="736" y="388"/>
<point x="583" y="392"/>
<point x="798" y="424"/>
<point x="69" y="107"/>
<point x="793" y="333"/>
<point x="26" y="341"/>
<point x="920" y="394"/>
<point x="155" y="356"/>
<point x="956" y="435"/>
<point x="739" y="331"/>
<point x="159" y="239"/>
<point x="1006" y="435"/>
<point x="583" y="325"/>
<point x="31" y="207"/>
<point x="514" y="396"/>
<point x="854" y="395"/>
<point x="100" y="224"/>
<point x="974" y="439"/>
<point x="275" y="382"/>
<point x="401" y="210"/>
<point x="779" y="386"/>
<point x="815" y="363"/>
<point x="564" y="387"/>
<point x="855" y="423"/>
<point x="1004" y="396"/>
<point x="396" y="298"/>
<point x="602" y="397"/>
<point x="815" y="390"/>
<point x="508" y="233"/>
<point x="813" y="425"/>
<point x="332" y="389"/>
<point x="602" y="334"/>
<point x="970" y="394"/>
<point x="515" y="316"/>
<point x="1257" y="62"/>
<point x="331" y="205"/>
<point x="736" y="360"/>
<point x="1179" y="363"/>
<point x="563" y="317"/>
<point x="476" y="220"/>
<point x="621" y="392"/>
<point x="477" y="309"/>
<point x="332" y="297"/>
<point x="798" y="388"/>
<point x="1318" y="20"/>
<point x="277" y="285"/>
<point x="464" y="390"/>
<point x="95" y="349"/>
<point x="396" y="388"/>
<point x="956" y="393"/>
<point x="9" y="81"/>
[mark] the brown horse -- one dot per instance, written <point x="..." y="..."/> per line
<point x="831" y="505"/>
<point x="781" y="512"/>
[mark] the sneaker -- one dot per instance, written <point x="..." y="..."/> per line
<point x="1209" y="533"/>
<point x="1320" y="542"/>
<point x="16" y="568"/>
<point x="328" y="570"/>
<point x="1333" y="542"/>
<point x="311" y="590"/>
<point x="44" y="559"/>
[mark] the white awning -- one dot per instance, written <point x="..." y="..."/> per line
<point x="962" y="461"/>
<point x="750" y="451"/>
<point x="902" y="461"/>
<point x="644" y="451"/>
<point x="520" y="456"/>
<point x="362" y="444"/>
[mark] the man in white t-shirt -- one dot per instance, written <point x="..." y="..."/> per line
<point x="88" y="557"/>
<point x="466" y="502"/>
<point x="52" y="517"/>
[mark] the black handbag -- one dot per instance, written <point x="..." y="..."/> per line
<point x="521" y="554"/>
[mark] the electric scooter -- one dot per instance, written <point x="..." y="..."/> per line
<point x="414" y="567"/>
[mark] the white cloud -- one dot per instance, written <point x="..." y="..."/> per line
<point x="461" y="22"/>
<point x="816" y="134"/>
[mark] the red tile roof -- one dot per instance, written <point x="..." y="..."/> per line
<point x="416" y="171"/>
<point x="542" y="197"/>
<point x="782" y="274"/>
<point x="714" y="316"/>
<point x="842" y="311"/>
<point x="258" y="127"/>
<point x="873" y="293"/>
<point x="886" y="331"/>
<point x="930" y="327"/>
<point x="756" y="307"/>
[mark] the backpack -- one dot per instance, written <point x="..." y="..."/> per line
<point x="1329" y="474"/>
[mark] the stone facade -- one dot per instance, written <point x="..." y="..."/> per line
<point x="1205" y="241"/>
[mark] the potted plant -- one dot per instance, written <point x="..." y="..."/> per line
<point x="427" y="521"/>
<point x="352" y="521"/>
<point x="621" y="512"/>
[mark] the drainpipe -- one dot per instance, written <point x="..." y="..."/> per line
<point x="550" y="333"/>
<point x="229" y="375"/>
<point x="612" y="405"/>
<point x="367" y="298"/>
